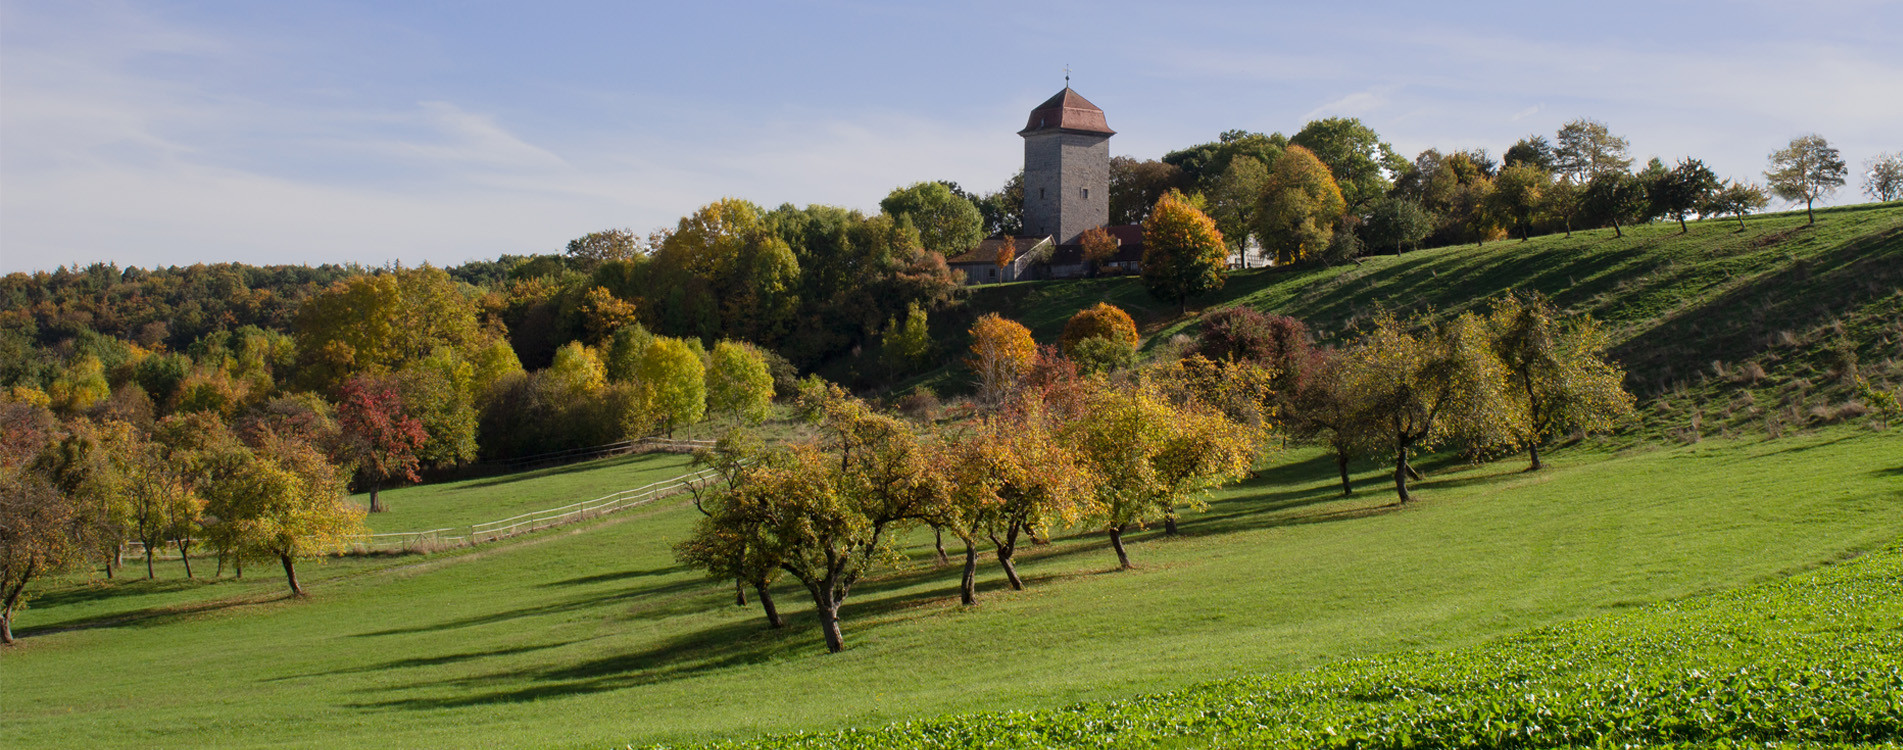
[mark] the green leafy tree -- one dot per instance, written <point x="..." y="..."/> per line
<point x="908" y="345"/>
<point x="1615" y="198"/>
<point x="1687" y="189"/>
<point x="1534" y="151"/>
<point x="673" y="382"/>
<point x="1557" y="374"/>
<point x="1398" y="222"/>
<point x="440" y="392"/>
<point x="738" y="383"/>
<point x="1883" y="177"/>
<point x="948" y="224"/>
<point x="1806" y="170"/>
<point x="1585" y="149"/>
<point x="1234" y="199"/>
<point x="1136" y="186"/>
<point x="1322" y="409"/>
<point x="1300" y="206"/>
<point x="283" y="500"/>
<point x="606" y="245"/>
<point x="1736" y="199"/>
<point x="1183" y="252"/>
<point x="1355" y="155"/>
<point x="1562" y="200"/>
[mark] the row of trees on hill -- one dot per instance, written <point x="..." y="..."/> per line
<point x="1076" y="436"/>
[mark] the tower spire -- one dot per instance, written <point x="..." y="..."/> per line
<point x="1066" y="75"/>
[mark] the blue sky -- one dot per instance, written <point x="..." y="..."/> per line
<point x="162" y="133"/>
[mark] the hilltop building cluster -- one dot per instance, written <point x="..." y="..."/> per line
<point x="1066" y="193"/>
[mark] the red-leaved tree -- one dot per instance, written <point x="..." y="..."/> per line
<point x="378" y="436"/>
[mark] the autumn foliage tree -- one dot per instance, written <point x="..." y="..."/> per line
<point x="283" y="500"/>
<point x="1558" y="378"/>
<point x="378" y="437"/>
<point x="1808" y="169"/>
<point x="36" y="538"/>
<point x="1300" y="205"/>
<point x="1102" y="320"/>
<point x="1001" y="352"/>
<point x="1183" y="252"/>
<point x="1417" y="385"/>
<point x="1010" y="477"/>
<point x="738" y="383"/>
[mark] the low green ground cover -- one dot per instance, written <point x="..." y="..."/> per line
<point x="461" y="503"/>
<point x="593" y="636"/>
<point x="1817" y="658"/>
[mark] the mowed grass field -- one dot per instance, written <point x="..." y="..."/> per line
<point x="592" y="636"/>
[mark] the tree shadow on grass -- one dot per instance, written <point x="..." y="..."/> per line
<point x="591" y="601"/>
<point x="151" y="616"/>
<point x="622" y="575"/>
<point x="553" y="471"/>
<point x="427" y="661"/>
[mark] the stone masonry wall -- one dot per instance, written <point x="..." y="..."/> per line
<point x="1066" y="184"/>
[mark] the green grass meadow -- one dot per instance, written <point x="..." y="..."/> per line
<point x="1747" y="520"/>
<point x="592" y="636"/>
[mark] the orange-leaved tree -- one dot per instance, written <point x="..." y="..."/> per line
<point x="1001" y="352"/>
<point x="1102" y="320"/>
<point x="1010" y="477"/>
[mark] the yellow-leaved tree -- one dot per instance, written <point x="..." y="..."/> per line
<point x="1183" y="252"/>
<point x="1558" y="377"/>
<point x="1002" y="351"/>
<point x="1300" y="205"/>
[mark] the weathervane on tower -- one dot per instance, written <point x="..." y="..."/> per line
<point x="1066" y="75"/>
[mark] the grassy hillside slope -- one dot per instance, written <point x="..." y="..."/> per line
<point x="1696" y="318"/>
<point x="595" y="637"/>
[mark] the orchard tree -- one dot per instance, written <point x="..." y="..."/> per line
<point x="1001" y="353"/>
<point x="1010" y="478"/>
<point x="36" y="538"/>
<point x="1561" y="200"/>
<point x="1585" y="149"/>
<point x="379" y="437"/>
<point x="1883" y="177"/>
<point x="1147" y="457"/>
<point x="1736" y="199"/>
<point x="908" y="346"/>
<point x="1534" y="151"/>
<point x="1557" y="376"/>
<point x="948" y="224"/>
<point x="1323" y="410"/>
<point x="728" y="543"/>
<point x="605" y="245"/>
<point x="1234" y="199"/>
<point x="1615" y="198"/>
<point x="284" y="500"/>
<point x="1416" y="390"/>
<point x="1300" y="206"/>
<point x="1687" y="189"/>
<point x="738" y="383"/>
<point x="1183" y="252"/>
<point x="1806" y="170"/>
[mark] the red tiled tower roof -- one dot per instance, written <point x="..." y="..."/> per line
<point x="1068" y="110"/>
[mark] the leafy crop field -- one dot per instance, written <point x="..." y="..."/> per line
<point x="592" y="636"/>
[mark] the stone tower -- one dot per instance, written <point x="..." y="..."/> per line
<point x="1066" y="168"/>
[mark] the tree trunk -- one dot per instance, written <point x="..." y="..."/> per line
<point x="739" y="593"/>
<point x="376" y="506"/>
<point x="185" y="554"/>
<point x="290" y="574"/>
<point x="1809" y="217"/>
<point x="6" y="626"/>
<point x="149" y="575"/>
<point x="1401" y="470"/>
<point x="1681" y="225"/>
<point x="1169" y="521"/>
<point x="828" y="609"/>
<point x="1533" y="451"/>
<point x="1616" y="231"/>
<point x="1007" y="552"/>
<point x="1740" y="222"/>
<point x="938" y="545"/>
<point x="968" y="585"/>
<point x="1116" y="541"/>
<point x="237" y="568"/>
<point x="773" y="619"/>
<point x="1341" y="463"/>
<point x="13" y="600"/>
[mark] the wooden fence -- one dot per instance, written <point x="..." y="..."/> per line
<point x="490" y="531"/>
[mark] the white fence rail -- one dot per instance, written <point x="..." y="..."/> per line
<point x="490" y="531"/>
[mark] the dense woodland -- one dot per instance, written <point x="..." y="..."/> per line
<point x="234" y="404"/>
